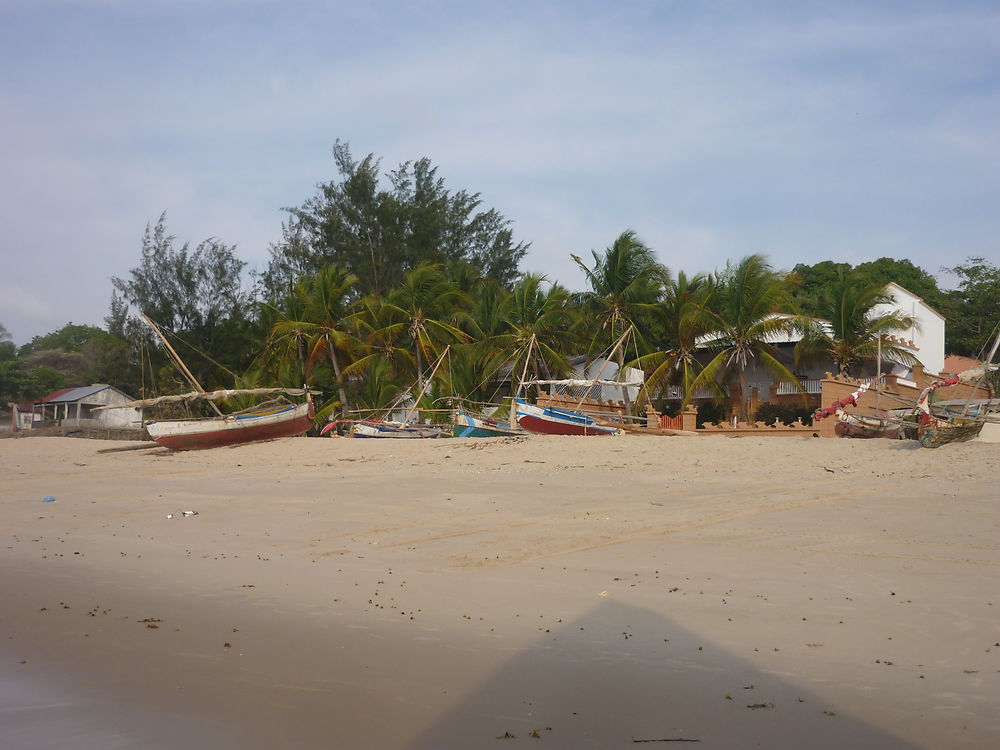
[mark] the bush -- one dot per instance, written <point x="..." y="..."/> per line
<point x="771" y="413"/>
<point x="710" y="411"/>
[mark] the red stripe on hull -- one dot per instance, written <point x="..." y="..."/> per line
<point x="249" y="434"/>
<point x="546" y="427"/>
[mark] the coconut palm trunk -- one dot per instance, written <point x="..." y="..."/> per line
<point x="341" y="392"/>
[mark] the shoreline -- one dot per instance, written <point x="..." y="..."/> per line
<point x="543" y="579"/>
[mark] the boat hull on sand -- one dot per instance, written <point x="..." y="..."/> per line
<point x="860" y="426"/>
<point x="937" y="432"/>
<point x="467" y="425"/>
<point x="403" y="431"/>
<point x="550" y="420"/>
<point x="233" y="429"/>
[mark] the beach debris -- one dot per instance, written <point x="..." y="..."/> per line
<point x="755" y="706"/>
<point x="170" y="515"/>
<point x="827" y="468"/>
<point x="48" y="499"/>
<point x="536" y="733"/>
<point x="190" y="513"/>
<point x="668" y="739"/>
<point x="183" y="514"/>
<point x="507" y="736"/>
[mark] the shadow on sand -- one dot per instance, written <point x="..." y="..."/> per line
<point x="612" y="678"/>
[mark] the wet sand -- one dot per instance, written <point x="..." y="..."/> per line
<point x="571" y="592"/>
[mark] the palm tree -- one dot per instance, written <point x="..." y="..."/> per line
<point x="541" y="315"/>
<point x="852" y="332"/>
<point x="284" y="353"/>
<point x="625" y="284"/>
<point x="429" y="305"/>
<point x="683" y="318"/>
<point x="324" y="304"/>
<point x="742" y="321"/>
<point x="378" y="388"/>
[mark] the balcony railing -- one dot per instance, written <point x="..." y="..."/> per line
<point x="676" y="392"/>
<point x="791" y="389"/>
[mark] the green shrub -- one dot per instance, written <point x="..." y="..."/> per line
<point x="771" y="413"/>
<point x="711" y="411"/>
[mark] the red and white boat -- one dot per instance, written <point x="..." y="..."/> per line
<point x="264" y="422"/>
<point x="551" y="420"/>
<point x="286" y="420"/>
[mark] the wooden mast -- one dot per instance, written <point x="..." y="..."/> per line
<point x="178" y="361"/>
<point x="517" y="391"/>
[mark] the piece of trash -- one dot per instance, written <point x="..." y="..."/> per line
<point x="827" y="468"/>
<point x="190" y="513"/>
<point x="507" y="736"/>
<point x="755" y="706"/>
<point x="48" y="499"/>
<point x="850" y="471"/>
<point x="170" y="515"/>
<point x="668" y="739"/>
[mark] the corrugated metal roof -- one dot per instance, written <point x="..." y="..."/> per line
<point x="75" y="394"/>
<point x="56" y="394"/>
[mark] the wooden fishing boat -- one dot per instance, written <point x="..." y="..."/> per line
<point x="264" y="422"/>
<point x="397" y="430"/>
<point x="940" y="425"/>
<point x="861" y="426"/>
<point x="937" y="431"/>
<point x="248" y="426"/>
<point x="469" y="425"/>
<point x="551" y="420"/>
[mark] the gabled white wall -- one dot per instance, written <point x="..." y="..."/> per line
<point x="927" y="334"/>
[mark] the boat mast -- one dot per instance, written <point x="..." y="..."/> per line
<point x="430" y="379"/>
<point x="607" y="361"/>
<point x="988" y="362"/>
<point x="178" y="361"/>
<point x="517" y="391"/>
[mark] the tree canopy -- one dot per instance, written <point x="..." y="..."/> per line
<point x="198" y="295"/>
<point x="973" y="309"/>
<point x="380" y="231"/>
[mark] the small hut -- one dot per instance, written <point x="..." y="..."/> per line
<point x="74" y="407"/>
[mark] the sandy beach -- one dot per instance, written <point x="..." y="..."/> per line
<point x="549" y="592"/>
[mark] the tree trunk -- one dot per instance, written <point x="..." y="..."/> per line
<point x="420" y="373"/>
<point x="340" y="383"/>
<point x="744" y="400"/>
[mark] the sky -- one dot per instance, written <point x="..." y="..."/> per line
<point x="805" y="131"/>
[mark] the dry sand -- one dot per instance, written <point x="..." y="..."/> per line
<point x="571" y="592"/>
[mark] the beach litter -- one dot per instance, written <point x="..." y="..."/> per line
<point x="48" y="499"/>
<point x="183" y="514"/>
<point x="668" y="739"/>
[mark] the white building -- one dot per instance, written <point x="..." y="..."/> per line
<point x="75" y="407"/>
<point x="925" y="340"/>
